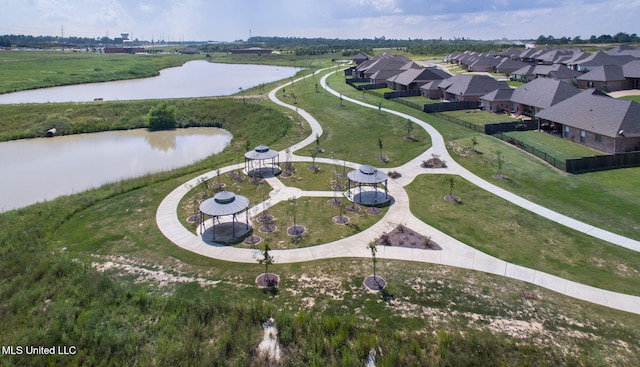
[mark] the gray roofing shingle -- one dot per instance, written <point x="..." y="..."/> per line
<point x="543" y="92"/>
<point x="606" y="73"/>
<point x="471" y="85"/>
<point x="594" y="111"/>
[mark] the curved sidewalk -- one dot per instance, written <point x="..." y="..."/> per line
<point x="454" y="252"/>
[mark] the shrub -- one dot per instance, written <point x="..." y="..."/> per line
<point x="162" y="117"/>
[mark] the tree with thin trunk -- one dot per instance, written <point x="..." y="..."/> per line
<point x="409" y="129"/>
<point x="474" y="142"/>
<point x="380" y="108"/>
<point x="380" y="146"/>
<point x="266" y="260"/>
<point x="499" y="163"/>
<point x="374" y="249"/>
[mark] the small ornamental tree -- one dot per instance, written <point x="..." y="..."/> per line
<point x="162" y="117"/>
<point x="374" y="249"/>
<point x="409" y="129"/>
<point x="266" y="260"/>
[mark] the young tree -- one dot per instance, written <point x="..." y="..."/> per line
<point x="374" y="249"/>
<point x="474" y="142"/>
<point x="409" y="129"/>
<point x="380" y="146"/>
<point x="499" y="164"/>
<point x="266" y="260"/>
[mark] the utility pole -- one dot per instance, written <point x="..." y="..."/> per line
<point x="62" y="37"/>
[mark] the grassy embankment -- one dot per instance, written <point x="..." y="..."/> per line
<point x="22" y="70"/>
<point x="324" y="315"/>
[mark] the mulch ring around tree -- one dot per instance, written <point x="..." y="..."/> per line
<point x="265" y="218"/>
<point x="252" y="240"/>
<point x="296" y="230"/>
<point x="404" y="237"/>
<point x="352" y="208"/>
<point x="193" y="218"/>
<point x="376" y="283"/>
<point x="267" y="228"/>
<point x="268" y="280"/>
<point x="373" y="210"/>
<point x="340" y="219"/>
<point x="452" y="198"/>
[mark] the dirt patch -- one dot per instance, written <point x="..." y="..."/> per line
<point x="154" y="273"/>
<point x="406" y="237"/>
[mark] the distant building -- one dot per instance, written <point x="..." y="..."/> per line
<point x="124" y="50"/>
<point x="251" y="50"/>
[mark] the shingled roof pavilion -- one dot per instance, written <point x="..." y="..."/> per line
<point x="363" y="186"/>
<point x="254" y="161"/>
<point x="224" y="204"/>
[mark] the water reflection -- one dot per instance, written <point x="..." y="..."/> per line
<point x="193" y="79"/>
<point x="42" y="169"/>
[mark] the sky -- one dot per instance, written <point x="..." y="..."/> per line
<point x="230" y="20"/>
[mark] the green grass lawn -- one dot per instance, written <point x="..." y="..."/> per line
<point x="553" y="145"/>
<point x="480" y="118"/>
<point x="352" y="132"/>
<point x="511" y="233"/>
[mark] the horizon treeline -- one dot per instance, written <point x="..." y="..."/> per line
<point x="321" y="46"/>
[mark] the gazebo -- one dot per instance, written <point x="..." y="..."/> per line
<point x="260" y="154"/>
<point x="368" y="177"/>
<point x="225" y="203"/>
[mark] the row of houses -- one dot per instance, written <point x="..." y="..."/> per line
<point x="569" y="100"/>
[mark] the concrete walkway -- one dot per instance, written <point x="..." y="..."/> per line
<point x="453" y="253"/>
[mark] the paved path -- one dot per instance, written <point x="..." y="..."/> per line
<point x="453" y="253"/>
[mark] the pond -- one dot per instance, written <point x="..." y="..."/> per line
<point x="193" y="79"/>
<point x="42" y="169"/>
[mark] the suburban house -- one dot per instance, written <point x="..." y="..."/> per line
<point x="607" y="77"/>
<point x="431" y="90"/>
<point x="360" y="57"/>
<point x="539" y="94"/>
<point x="596" y="120"/>
<point x="554" y="71"/>
<point x="600" y="59"/>
<point x="497" y="101"/>
<point x="382" y="67"/>
<point x="467" y="87"/>
<point x="508" y="66"/>
<point x="413" y="79"/>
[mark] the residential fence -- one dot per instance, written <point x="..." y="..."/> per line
<point x="451" y="106"/>
<point x="556" y="162"/>
<point x="403" y="93"/>
<point x="603" y="162"/>
<point x="505" y="127"/>
<point x="572" y="165"/>
<point x="458" y="121"/>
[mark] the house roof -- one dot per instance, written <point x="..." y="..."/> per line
<point x="605" y="73"/>
<point x="596" y="112"/>
<point x="419" y="75"/>
<point x="543" y="92"/>
<point x="434" y="85"/>
<point x="601" y="58"/>
<point x="525" y="70"/>
<point x="361" y="56"/>
<point x="631" y="69"/>
<point x="498" y="95"/>
<point x="471" y="85"/>
<point x="508" y="65"/>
